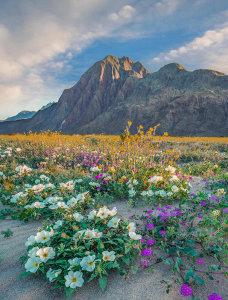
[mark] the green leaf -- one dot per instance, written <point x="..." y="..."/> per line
<point x="69" y="291"/>
<point x="23" y="274"/>
<point x="126" y="260"/>
<point x="179" y="261"/>
<point x="103" y="283"/>
<point x="214" y="267"/>
<point x="135" y="269"/>
<point x="200" y="280"/>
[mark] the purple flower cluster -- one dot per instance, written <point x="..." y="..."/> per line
<point x="214" y="297"/>
<point x="186" y="290"/>
<point x="146" y="252"/>
<point x="150" y="226"/>
<point x="162" y="232"/>
<point x="200" y="261"/>
<point x="150" y="242"/>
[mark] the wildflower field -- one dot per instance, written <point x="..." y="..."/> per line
<point x="70" y="183"/>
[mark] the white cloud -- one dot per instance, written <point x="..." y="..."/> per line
<point x="207" y="51"/>
<point x="31" y="46"/>
<point x="125" y="14"/>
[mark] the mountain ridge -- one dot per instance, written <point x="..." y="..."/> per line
<point x="115" y="90"/>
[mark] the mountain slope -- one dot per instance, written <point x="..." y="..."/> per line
<point x="114" y="91"/>
<point x="25" y="114"/>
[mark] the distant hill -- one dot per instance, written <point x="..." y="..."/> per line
<point x="116" y="90"/>
<point x="26" y="114"/>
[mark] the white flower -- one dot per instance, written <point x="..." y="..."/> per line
<point x="32" y="264"/>
<point x="74" y="279"/>
<point x="150" y="193"/>
<point x="72" y="202"/>
<point x="112" y="212"/>
<point x="216" y="213"/>
<point x="174" y="178"/>
<point x="62" y="205"/>
<point x="88" y="234"/>
<point x="18" y="149"/>
<point x="113" y="223"/>
<point x="144" y="193"/>
<point x="155" y="179"/>
<point x="88" y="263"/>
<point x="169" y="194"/>
<point x="92" y="214"/>
<point x="96" y="184"/>
<point x="53" y="274"/>
<point x="81" y="197"/>
<point x="135" y="182"/>
<point x="68" y="185"/>
<point x="103" y="212"/>
<point x="94" y="169"/>
<point x="38" y="204"/>
<point x="131" y="193"/>
<point x="78" y="180"/>
<point x="33" y="251"/>
<point x="131" y="226"/>
<point x="46" y="253"/>
<point x="74" y="262"/>
<point x="174" y="189"/>
<point x="162" y="193"/>
<point x="96" y="233"/>
<point x="170" y="169"/>
<point x="30" y="241"/>
<point x="78" y="217"/>
<point x="43" y="236"/>
<point x="134" y="236"/>
<point x="44" y="178"/>
<point x="58" y="224"/>
<point x="108" y="255"/>
<point x="22" y="170"/>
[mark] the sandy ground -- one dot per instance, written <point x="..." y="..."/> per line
<point x="142" y="286"/>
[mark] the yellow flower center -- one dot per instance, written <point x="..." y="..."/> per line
<point x="35" y="264"/>
<point x="45" y="254"/>
<point x="106" y="257"/>
<point x="44" y="238"/>
<point x="74" y="279"/>
<point x="90" y="263"/>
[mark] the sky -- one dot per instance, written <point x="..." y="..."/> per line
<point x="45" y="46"/>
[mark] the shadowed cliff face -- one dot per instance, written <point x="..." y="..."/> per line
<point x="114" y="91"/>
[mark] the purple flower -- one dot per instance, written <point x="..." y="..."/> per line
<point x="225" y="210"/>
<point x="213" y="198"/>
<point x="200" y="261"/>
<point x="186" y="290"/>
<point x="131" y="218"/>
<point x="146" y="252"/>
<point x="200" y="216"/>
<point x="142" y="240"/>
<point x="150" y="242"/>
<point x="207" y="182"/>
<point x="202" y="203"/>
<point x="150" y="211"/>
<point x="158" y="207"/>
<point x="214" y="297"/>
<point x="192" y="194"/>
<point x="148" y="217"/>
<point x="162" y="232"/>
<point x="150" y="226"/>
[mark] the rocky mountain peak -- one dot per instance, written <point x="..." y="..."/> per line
<point x="172" y="68"/>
